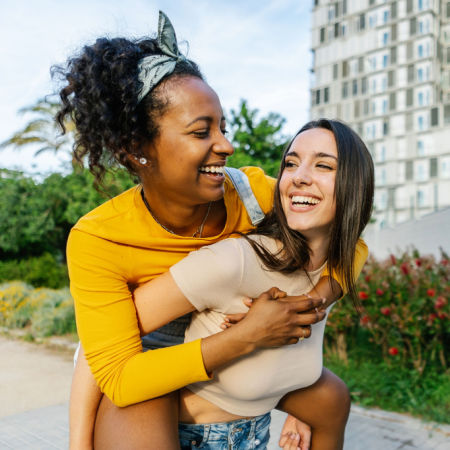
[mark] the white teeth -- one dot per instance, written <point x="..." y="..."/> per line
<point x="212" y="169"/>
<point x="302" y="199"/>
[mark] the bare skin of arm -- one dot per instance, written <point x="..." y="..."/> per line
<point x="256" y="331"/>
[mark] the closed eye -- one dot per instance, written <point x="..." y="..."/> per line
<point x="325" y="166"/>
<point x="201" y="134"/>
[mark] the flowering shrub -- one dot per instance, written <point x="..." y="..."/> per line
<point x="404" y="312"/>
<point x="43" y="311"/>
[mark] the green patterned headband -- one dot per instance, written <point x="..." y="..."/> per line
<point x="152" y="69"/>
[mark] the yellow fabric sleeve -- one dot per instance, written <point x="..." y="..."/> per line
<point x="361" y="254"/>
<point x="108" y="328"/>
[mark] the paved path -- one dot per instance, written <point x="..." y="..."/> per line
<point x="34" y="392"/>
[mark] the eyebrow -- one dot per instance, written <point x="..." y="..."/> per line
<point x="205" y="118"/>
<point x="317" y="155"/>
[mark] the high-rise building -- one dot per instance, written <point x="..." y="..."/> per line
<point x="384" y="68"/>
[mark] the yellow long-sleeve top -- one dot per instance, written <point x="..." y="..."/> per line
<point x="117" y="245"/>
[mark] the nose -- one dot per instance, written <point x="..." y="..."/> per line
<point x="223" y="146"/>
<point x="302" y="176"/>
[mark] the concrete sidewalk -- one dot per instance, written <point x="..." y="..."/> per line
<point x="34" y="393"/>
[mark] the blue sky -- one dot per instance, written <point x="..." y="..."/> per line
<point x="257" y="50"/>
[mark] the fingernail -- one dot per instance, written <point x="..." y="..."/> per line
<point x="324" y="300"/>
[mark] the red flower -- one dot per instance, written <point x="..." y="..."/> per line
<point x="418" y="262"/>
<point x="404" y="267"/>
<point x="444" y="262"/>
<point x="393" y="260"/>
<point x="440" y="302"/>
<point x="385" y="311"/>
<point x="393" y="351"/>
<point x="363" y="295"/>
<point x="365" y="320"/>
<point x="432" y="317"/>
<point x="442" y="315"/>
<point x="431" y="292"/>
<point x="379" y="291"/>
<point x="367" y="278"/>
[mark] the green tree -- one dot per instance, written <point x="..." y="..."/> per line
<point x="257" y="142"/>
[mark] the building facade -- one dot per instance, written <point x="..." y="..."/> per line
<point x="384" y="68"/>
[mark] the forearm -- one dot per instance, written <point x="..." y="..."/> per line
<point x="327" y="288"/>
<point x="85" y="397"/>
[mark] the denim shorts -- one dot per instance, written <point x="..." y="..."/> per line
<point x="167" y="335"/>
<point x="243" y="434"/>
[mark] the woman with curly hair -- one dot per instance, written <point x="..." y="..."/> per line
<point x="145" y="106"/>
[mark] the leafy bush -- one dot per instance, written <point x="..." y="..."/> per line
<point x="44" y="311"/>
<point x="40" y="271"/>
<point x="404" y="317"/>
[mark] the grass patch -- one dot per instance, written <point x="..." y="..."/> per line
<point x="375" y="383"/>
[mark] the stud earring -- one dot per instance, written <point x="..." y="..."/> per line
<point x="143" y="161"/>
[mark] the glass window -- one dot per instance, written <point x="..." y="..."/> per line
<point x="363" y="85"/>
<point x="335" y="71"/>
<point x="420" y="148"/>
<point x="419" y="74"/>
<point x="409" y="170"/>
<point x="385" y="60"/>
<point x="345" y="89"/>
<point x="420" y="51"/>
<point x="318" y="97"/>
<point x="385" y="128"/>
<point x="433" y="167"/>
<point x="409" y="97"/>
<point x="322" y="34"/>
<point x="326" y="95"/>
<point x="392" y="101"/>
<point x="446" y="114"/>
<point x="385" y="38"/>
<point x="354" y="87"/>
<point x="434" y="116"/>
<point x="385" y="16"/>
<point x="362" y="22"/>
<point x="412" y="26"/>
<point x="420" y="98"/>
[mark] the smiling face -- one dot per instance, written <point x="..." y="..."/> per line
<point x="189" y="154"/>
<point x="307" y="184"/>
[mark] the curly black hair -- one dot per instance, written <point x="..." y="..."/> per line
<point x="101" y="97"/>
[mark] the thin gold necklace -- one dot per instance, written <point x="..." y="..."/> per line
<point x="198" y="231"/>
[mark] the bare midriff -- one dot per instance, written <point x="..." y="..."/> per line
<point x="195" y="409"/>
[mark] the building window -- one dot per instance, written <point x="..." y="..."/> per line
<point x="420" y="198"/>
<point x="420" y="5"/>
<point x="345" y="89"/>
<point x="394" y="10"/>
<point x="412" y="26"/>
<point x="386" y="16"/>
<point x="362" y="21"/>
<point x="383" y="84"/>
<point x="326" y="95"/>
<point x="354" y="87"/>
<point x="420" y="98"/>
<point x="393" y="55"/>
<point x="420" y="123"/>
<point x="446" y="114"/>
<point x="360" y="64"/>
<point x="385" y="60"/>
<point x="445" y="168"/>
<point x="409" y="170"/>
<point x="419" y="74"/>
<point x="344" y="68"/>
<point x="384" y="106"/>
<point x="335" y="71"/>
<point x="385" y="128"/>
<point x="434" y="117"/>
<point x="433" y="167"/>
<point x="392" y="101"/>
<point x="318" y="97"/>
<point x="374" y="85"/>
<point x="420" y="51"/>
<point x="409" y="6"/>
<point x="448" y="10"/>
<point x="448" y="55"/>
<point x="410" y="73"/>
<point x="409" y="97"/>
<point x="391" y="79"/>
<point x="366" y="107"/>
<point x="322" y="35"/>
<point x="336" y="30"/>
<point x="363" y="85"/>
<point x="409" y="50"/>
<point x="385" y="38"/>
<point x="356" y="106"/>
<point x="420" y="148"/>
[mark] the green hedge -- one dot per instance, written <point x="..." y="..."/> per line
<point x="40" y="271"/>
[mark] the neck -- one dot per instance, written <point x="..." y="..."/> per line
<point x="200" y="220"/>
<point x="319" y="248"/>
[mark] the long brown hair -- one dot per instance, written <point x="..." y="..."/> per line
<point x="353" y="192"/>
